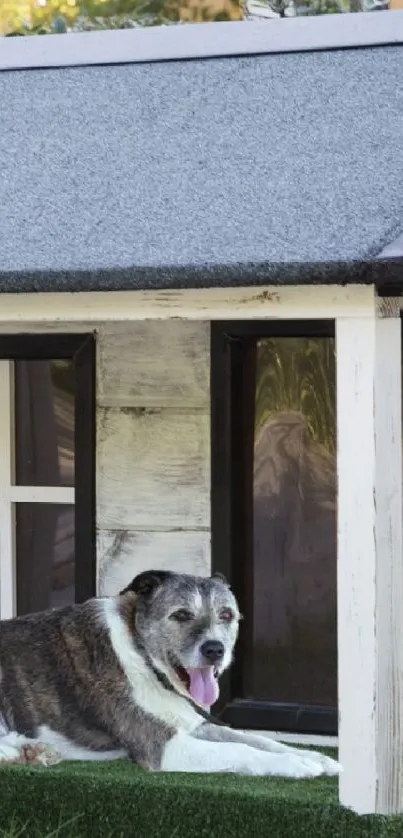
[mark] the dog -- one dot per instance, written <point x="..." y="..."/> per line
<point x="134" y="676"/>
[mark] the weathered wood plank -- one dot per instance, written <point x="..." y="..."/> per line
<point x="356" y="561"/>
<point x="389" y="564"/>
<point x="123" y="554"/>
<point x="153" y="469"/>
<point x="154" y="365"/>
<point x="286" y="303"/>
<point x="370" y="570"/>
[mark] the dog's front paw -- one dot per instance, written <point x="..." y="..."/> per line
<point x="40" y="755"/>
<point x="297" y="766"/>
<point x="19" y="752"/>
<point x="291" y="765"/>
<point x="328" y="765"/>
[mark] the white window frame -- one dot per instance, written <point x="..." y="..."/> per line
<point x="11" y="494"/>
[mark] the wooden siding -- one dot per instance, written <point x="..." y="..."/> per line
<point x="153" y="449"/>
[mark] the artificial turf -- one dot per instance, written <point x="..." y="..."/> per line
<point x="118" y="800"/>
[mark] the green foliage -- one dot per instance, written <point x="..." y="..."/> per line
<point x="116" y="14"/>
<point x="33" y="17"/>
<point x="298" y="374"/>
<point x="26" y="17"/>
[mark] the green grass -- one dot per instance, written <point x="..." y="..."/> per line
<point x="20" y="829"/>
<point x="117" y="800"/>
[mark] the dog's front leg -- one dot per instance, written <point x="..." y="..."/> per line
<point x="187" y="753"/>
<point x="220" y="733"/>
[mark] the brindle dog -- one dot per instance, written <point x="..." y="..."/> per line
<point x="134" y="675"/>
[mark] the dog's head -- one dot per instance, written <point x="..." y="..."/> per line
<point x="188" y="626"/>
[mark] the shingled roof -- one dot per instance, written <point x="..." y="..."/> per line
<point x="283" y="164"/>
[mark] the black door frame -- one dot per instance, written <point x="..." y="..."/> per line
<point x="80" y="348"/>
<point x="228" y="545"/>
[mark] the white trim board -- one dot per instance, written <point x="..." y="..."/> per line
<point x="211" y="40"/>
<point x="41" y="494"/>
<point x="7" y="540"/>
<point x="370" y="570"/>
<point x="268" y="302"/>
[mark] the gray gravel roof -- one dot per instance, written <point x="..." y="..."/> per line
<point x="270" y="168"/>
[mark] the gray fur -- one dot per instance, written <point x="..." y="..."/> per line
<point x="59" y="670"/>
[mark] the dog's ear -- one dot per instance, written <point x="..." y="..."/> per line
<point x="220" y="578"/>
<point x="147" y="582"/>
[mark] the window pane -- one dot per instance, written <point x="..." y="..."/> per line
<point x="294" y="656"/>
<point x="44" y="423"/>
<point x="45" y="556"/>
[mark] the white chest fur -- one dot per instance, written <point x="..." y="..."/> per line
<point x="147" y="692"/>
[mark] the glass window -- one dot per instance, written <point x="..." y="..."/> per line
<point x="294" y="648"/>
<point x="45" y="556"/>
<point x="47" y="472"/>
<point x="44" y="456"/>
<point x="274" y="505"/>
<point x="44" y="423"/>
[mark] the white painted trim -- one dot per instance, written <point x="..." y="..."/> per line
<point x="355" y="354"/>
<point x="189" y="41"/>
<point x="370" y="568"/>
<point x="41" y="494"/>
<point x="11" y="494"/>
<point x="389" y="565"/>
<point x="269" y="302"/>
<point x="7" y="540"/>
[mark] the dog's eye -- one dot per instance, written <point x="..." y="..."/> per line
<point x="182" y="616"/>
<point x="226" y="615"/>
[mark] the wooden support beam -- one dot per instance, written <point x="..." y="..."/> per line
<point x="297" y="302"/>
<point x="370" y="568"/>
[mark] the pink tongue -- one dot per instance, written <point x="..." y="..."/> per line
<point x="203" y="686"/>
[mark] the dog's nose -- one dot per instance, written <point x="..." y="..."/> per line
<point x="212" y="650"/>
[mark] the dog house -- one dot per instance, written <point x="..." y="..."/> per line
<point x="201" y="270"/>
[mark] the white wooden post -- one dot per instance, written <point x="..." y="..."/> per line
<point x="7" y="541"/>
<point x="370" y="567"/>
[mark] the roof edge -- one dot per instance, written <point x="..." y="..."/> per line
<point x="198" y="41"/>
<point x="379" y="272"/>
